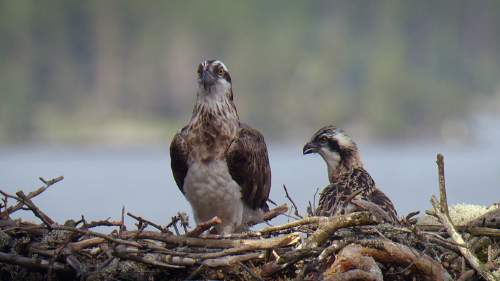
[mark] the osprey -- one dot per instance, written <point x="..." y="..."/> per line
<point x="351" y="186"/>
<point x="220" y="164"/>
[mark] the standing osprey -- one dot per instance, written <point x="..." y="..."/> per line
<point x="351" y="187"/>
<point x="220" y="164"/>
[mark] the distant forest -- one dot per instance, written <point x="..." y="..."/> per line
<point x="84" y="71"/>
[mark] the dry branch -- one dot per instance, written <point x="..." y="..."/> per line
<point x="388" y="252"/>
<point x="232" y="260"/>
<point x="457" y="238"/>
<point x="204" y="226"/>
<point x="93" y="224"/>
<point x="282" y="209"/>
<point x="97" y="234"/>
<point x="33" y="263"/>
<point x="441" y="211"/>
<point x="87" y="243"/>
<point x="373" y="208"/>
<point x="31" y="195"/>
<point x="442" y="185"/>
<point x="213" y="243"/>
<point x="290" y="225"/>
<point x="311" y="245"/>
<point x="287" y="259"/>
<point x="351" y="265"/>
<point x="474" y="230"/>
<point x="141" y="220"/>
<point x="345" y="247"/>
<point x="490" y="219"/>
<point x="36" y="211"/>
<point x="284" y="241"/>
<point x="325" y="231"/>
<point x="296" y="210"/>
<point x="120" y="252"/>
<point x="242" y="235"/>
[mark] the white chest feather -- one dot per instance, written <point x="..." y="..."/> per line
<point x="211" y="191"/>
<point x="332" y="159"/>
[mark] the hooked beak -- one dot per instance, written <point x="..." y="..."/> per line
<point x="207" y="79"/>
<point x="309" y="148"/>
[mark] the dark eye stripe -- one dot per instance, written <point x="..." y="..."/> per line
<point x="217" y="68"/>
<point x="226" y="76"/>
<point x="334" y="145"/>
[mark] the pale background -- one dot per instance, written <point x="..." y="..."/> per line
<point x="94" y="91"/>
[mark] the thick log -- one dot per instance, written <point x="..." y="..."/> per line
<point x="388" y="252"/>
<point x="326" y="230"/>
<point x="34" y="264"/>
<point x="213" y="243"/>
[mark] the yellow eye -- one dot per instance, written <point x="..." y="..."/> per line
<point x="220" y="71"/>
<point x="323" y="139"/>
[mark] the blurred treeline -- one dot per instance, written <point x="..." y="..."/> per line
<point x="97" y="71"/>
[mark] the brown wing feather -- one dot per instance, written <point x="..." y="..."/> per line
<point x="379" y="198"/>
<point x="248" y="165"/>
<point x="178" y="158"/>
<point x="334" y="196"/>
<point x="371" y="193"/>
<point x="328" y="200"/>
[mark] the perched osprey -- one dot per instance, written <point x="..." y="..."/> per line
<point x="220" y="164"/>
<point x="351" y="187"/>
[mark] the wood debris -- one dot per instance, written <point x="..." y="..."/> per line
<point x="354" y="246"/>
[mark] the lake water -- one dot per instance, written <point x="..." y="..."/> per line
<point x="99" y="181"/>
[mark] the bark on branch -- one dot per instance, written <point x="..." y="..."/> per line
<point x="31" y="195"/>
<point x="326" y="230"/>
<point x="388" y="252"/>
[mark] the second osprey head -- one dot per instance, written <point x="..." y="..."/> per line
<point x="213" y="77"/>
<point x="337" y="148"/>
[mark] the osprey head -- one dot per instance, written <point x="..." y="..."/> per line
<point x="213" y="77"/>
<point x="336" y="148"/>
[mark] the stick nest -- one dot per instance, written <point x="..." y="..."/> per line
<point x="354" y="246"/>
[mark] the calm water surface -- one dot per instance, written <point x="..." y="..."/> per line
<point x="99" y="181"/>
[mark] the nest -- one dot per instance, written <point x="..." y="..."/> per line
<point x="354" y="246"/>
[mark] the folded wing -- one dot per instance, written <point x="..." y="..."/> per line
<point x="178" y="159"/>
<point x="248" y="164"/>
